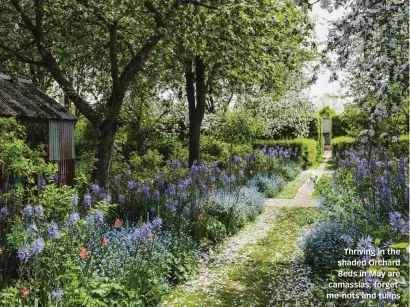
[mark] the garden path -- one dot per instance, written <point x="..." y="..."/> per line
<point x="304" y="196"/>
<point x="261" y="265"/>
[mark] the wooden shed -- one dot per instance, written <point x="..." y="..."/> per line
<point x="46" y="122"/>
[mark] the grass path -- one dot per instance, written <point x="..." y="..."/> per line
<point x="291" y="188"/>
<point x="261" y="265"/>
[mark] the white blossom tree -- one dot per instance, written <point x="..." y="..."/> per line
<point x="371" y="41"/>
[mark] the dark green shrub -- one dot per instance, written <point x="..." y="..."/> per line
<point x="315" y="132"/>
<point x="339" y="126"/>
<point x="307" y="148"/>
<point x="211" y="230"/>
<point x="171" y="149"/>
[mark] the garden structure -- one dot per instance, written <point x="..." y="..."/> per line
<point x="326" y="128"/>
<point x="46" y="121"/>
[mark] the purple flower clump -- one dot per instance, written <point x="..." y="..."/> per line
<point x="57" y="294"/>
<point x="53" y="232"/>
<point x="74" y="218"/>
<point x="132" y="185"/>
<point x="39" y="210"/>
<point x="32" y="228"/>
<point x="121" y="198"/>
<point x="87" y="199"/>
<point x="99" y="217"/>
<point x="156" y="195"/>
<point x="37" y="246"/>
<point x="4" y="213"/>
<point x="157" y="223"/>
<point x="28" y="210"/>
<point x="145" y="191"/>
<point x="74" y="200"/>
<point x="23" y="253"/>
<point x="107" y="198"/>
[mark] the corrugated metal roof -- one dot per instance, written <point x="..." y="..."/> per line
<point x="22" y="99"/>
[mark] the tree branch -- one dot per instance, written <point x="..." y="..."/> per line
<point x="51" y="64"/>
<point x="20" y="57"/>
<point x="135" y="64"/>
<point x="114" y="57"/>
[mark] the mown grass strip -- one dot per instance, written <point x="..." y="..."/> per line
<point x="291" y="188"/>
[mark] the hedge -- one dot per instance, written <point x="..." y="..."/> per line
<point x="341" y="144"/>
<point x="320" y="139"/>
<point x="307" y="148"/>
<point x="315" y="132"/>
<point x="399" y="148"/>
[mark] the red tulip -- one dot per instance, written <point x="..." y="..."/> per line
<point x="104" y="241"/>
<point x="25" y="291"/>
<point x="83" y="253"/>
<point x="117" y="223"/>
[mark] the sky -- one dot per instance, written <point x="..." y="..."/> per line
<point x="322" y="87"/>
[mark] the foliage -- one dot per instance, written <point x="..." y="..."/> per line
<point x="368" y="119"/>
<point x="212" y="149"/>
<point x="400" y="146"/>
<point x="342" y="143"/>
<point x="369" y="198"/>
<point x="17" y="156"/>
<point x="327" y="111"/>
<point x="23" y="167"/>
<point x="284" y="118"/>
<point x="171" y="149"/>
<point x="339" y="125"/>
<point x="320" y="139"/>
<point x="306" y="149"/>
<point x="85" y="137"/>
<point x="241" y="128"/>
<point x="145" y="166"/>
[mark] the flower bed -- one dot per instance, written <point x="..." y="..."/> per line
<point x="130" y="241"/>
<point x="365" y="208"/>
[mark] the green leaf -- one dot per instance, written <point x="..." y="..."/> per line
<point x="399" y="245"/>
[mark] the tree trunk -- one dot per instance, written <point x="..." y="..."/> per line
<point x="108" y="130"/>
<point x="197" y="104"/>
<point x="194" y="138"/>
